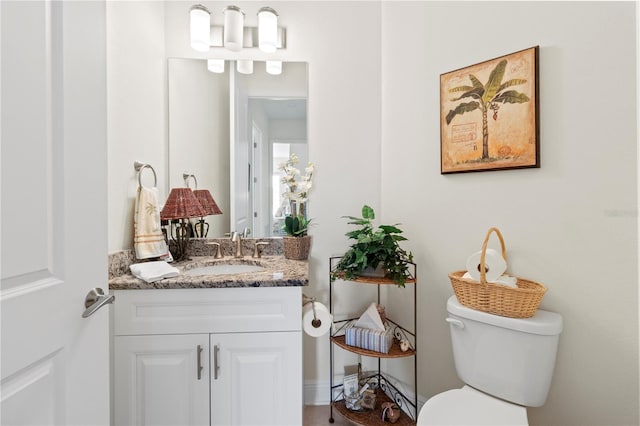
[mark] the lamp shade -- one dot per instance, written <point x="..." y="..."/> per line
<point x="233" y="28"/>
<point x="267" y="30"/>
<point x="181" y="204"/>
<point x="274" y="67"/>
<point x="200" y="28"/>
<point x="207" y="202"/>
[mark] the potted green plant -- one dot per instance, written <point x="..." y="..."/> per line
<point x="296" y="243"/>
<point x="374" y="247"/>
<point x="296" y="226"/>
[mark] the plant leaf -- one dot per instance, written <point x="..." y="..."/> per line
<point x="390" y="229"/>
<point x="461" y="89"/>
<point x="473" y="93"/>
<point x="461" y="109"/>
<point x="476" y="83"/>
<point x="367" y="212"/>
<point x="494" y="82"/>
<point x="512" y="82"/>
<point x="511" y="97"/>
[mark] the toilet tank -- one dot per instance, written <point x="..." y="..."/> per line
<point x="510" y="358"/>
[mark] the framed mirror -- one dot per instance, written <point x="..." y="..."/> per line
<point x="231" y="131"/>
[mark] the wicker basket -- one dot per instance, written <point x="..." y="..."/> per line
<point x="297" y="248"/>
<point x="521" y="302"/>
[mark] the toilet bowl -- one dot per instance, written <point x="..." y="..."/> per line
<point x="505" y="363"/>
<point x="468" y="406"/>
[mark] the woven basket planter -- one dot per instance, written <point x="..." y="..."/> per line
<point x="297" y="248"/>
<point x="520" y="302"/>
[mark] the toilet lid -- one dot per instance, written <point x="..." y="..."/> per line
<point x="468" y="406"/>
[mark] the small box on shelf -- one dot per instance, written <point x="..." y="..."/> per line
<point x="365" y="338"/>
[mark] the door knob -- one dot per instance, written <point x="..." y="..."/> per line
<point x="95" y="300"/>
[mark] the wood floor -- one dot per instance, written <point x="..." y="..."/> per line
<point x="318" y="415"/>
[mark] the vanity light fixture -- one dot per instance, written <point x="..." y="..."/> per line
<point x="200" y="28"/>
<point x="179" y="208"/>
<point x="215" y="65"/>
<point x="267" y="29"/>
<point x="244" y="66"/>
<point x="233" y="28"/>
<point x="274" y="67"/>
<point x="233" y="35"/>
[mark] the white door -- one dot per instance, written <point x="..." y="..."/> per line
<point x="162" y="380"/>
<point x="256" y="379"/>
<point x="55" y="364"/>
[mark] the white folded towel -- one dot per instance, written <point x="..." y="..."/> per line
<point x="153" y="271"/>
<point x="148" y="240"/>
<point x="504" y="279"/>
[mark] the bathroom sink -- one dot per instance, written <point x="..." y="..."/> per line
<point x="223" y="269"/>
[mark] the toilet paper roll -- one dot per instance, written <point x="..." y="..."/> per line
<point x="494" y="263"/>
<point x="320" y="324"/>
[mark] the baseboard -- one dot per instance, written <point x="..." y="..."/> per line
<point x="316" y="392"/>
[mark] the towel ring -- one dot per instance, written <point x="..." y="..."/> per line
<point x="140" y="166"/>
<point x="186" y="176"/>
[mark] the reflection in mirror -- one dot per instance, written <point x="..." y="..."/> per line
<point x="278" y="129"/>
<point x="231" y="131"/>
<point x="198" y="120"/>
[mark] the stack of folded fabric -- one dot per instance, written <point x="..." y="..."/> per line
<point x="153" y="271"/>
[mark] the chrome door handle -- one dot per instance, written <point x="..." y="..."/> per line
<point x="95" y="300"/>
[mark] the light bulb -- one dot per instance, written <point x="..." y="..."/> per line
<point x="215" y="65"/>
<point x="274" y="67"/>
<point x="200" y="28"/>
<point x="233" y="28"/>
<point x="267" y="29"/>
<point x="245" y="66"/>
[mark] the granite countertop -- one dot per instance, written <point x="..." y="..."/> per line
<point x="278" y="272"/>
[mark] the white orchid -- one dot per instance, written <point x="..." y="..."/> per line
<point x="296" y="190"/>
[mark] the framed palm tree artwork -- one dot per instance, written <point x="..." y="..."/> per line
<point x="489" y="115"/>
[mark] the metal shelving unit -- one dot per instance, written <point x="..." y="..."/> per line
<point x="378" y="380"/>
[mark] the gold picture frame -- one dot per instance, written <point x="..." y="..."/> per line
<point x="489" y="115"/>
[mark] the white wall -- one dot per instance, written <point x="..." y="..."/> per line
<point x="136" y="100"/>
<point x="374" y="137"/>
<point x="572" y="224"/>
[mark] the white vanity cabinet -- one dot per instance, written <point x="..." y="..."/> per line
<point x="220" y="356"/>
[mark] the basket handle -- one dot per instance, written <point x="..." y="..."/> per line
<point x="483" y="272"/>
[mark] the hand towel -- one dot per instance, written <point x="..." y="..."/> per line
<point x="153" y="271"/>
<point x="148" y="240"/>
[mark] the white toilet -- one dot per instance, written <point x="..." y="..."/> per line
<point x="506" y="364"/>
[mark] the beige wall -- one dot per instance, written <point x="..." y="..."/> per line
<point x="572" y="224"/>
<point x="374" y="137"/>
